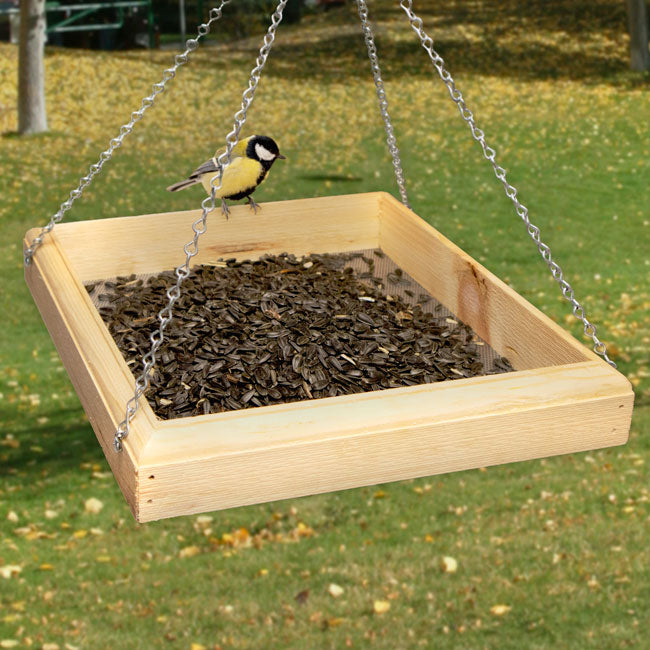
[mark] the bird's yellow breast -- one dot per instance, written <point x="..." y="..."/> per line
<point x="240" y="175"/>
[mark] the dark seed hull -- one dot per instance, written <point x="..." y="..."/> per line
<point x="281" y="329"/>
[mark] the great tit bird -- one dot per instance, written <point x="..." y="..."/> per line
<point x="249" y="164"/>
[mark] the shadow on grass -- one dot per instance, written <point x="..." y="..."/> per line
<point x="330" y="48"/>
<point x="58" y="446"/>
<point x="330" y="177"/>
<point x="527" y="41"/>
<point x="574" y="16"/>
<point x="488" y="57"/>
<point x="14" y="135"/>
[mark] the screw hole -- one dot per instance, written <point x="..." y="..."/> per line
<point x="149" y="500"/>
<point x="152" y="476"/>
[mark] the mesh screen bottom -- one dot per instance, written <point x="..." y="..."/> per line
<point x="384" y="269"/>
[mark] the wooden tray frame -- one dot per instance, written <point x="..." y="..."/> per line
<point x="562" y="398"/>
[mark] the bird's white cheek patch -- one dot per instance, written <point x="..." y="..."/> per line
<point x="263" y="153"/>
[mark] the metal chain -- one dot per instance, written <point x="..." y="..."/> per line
<point x="489" y="153"/>
<point x="179" y="60"/>
<point x="381" y="95"/>
<point x="199" y="227"/>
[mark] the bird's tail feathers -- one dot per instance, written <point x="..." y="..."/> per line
<point x="181" y="185"/>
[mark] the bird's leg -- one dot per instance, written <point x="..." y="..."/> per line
<point x="254" y="206"/>
<point x="224" y="208"/>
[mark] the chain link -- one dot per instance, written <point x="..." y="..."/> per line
<point x="383" y="102"/>
<point x="490" y="154"/>
<point x="199" y="227"/>
<point x="179" y="60"/>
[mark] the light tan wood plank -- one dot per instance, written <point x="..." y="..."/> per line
<point x="122" y="465"/>
<point x="96" y="368"/>
<point x="302" y="422"/>
<point x="402" y="448"/>
<point x="509" y="323"/>
<point x="105" y="248"/>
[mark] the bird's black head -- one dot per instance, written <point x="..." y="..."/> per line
<point x="263" y="149"/>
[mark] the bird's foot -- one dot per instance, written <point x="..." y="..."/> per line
<point x="224" y="208"/>
<point x="254" y="206"/>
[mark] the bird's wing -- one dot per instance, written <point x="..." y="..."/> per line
<point x="238" y="150"/>
<point x="210" y="166"/>
<point x="242" y="174"/>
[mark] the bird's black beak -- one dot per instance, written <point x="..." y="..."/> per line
<point x="281" y="157"/>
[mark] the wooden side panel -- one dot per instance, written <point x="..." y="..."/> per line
<point x="105" y="248"/>
<point x="357" y="440"/>
<point x="564" y="399"/>
<point x="187" y="487"/>
<point x="301" y="422"/>
<point x="102" y="381"/>
<point x="509" y="323"/>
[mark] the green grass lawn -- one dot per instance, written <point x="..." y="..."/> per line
<point x="561" y="544"/>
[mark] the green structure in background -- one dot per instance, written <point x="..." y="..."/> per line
<point x="292" y="12"/>
<point x="79" y="12"/>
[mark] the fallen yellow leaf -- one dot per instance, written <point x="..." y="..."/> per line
<point x="335" y="590"/>
<point x="381" y="606"/>
<point x="499" y="610"/>
<point x="448" y="564"/>
<point x="10" y="570"/>
<point x="23" y="530"/>
<point x="93" y="506"/>
<point x="189" y="551"/>
<point x="303" y="530"/>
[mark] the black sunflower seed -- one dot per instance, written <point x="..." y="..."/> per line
<point x="281" y="329"/>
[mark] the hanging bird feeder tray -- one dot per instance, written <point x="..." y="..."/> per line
<point x="561" y="398"/>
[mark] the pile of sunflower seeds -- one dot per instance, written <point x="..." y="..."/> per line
<point x="282" y="329"/>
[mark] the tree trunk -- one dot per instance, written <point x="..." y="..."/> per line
<point x="31" y="72"/>
<point x="637" y="22"/>
<point x="183" y="26"/>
